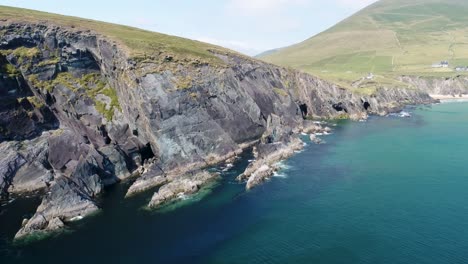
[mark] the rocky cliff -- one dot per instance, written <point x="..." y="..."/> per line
<point x="79" y="112"/>
<point x="455" y="86"/>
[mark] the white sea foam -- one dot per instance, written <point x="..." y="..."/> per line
<point x="283" y="166"/>
<point x="76" y="218"/>
<point x="182" y="196"/>
<point x="228" y="167"/>
<point x="445" y="101"/>
<point x="402" y="114"/>
<point x="279" y="175"/>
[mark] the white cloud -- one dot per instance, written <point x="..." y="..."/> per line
<point x="281" y="17"/>
<point x="356" y="3"/>
<point x="259" y="7"/>
<point x="241" y="46"/>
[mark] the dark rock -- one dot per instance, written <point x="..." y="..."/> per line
<point x="340" y="107"/>
<point x="366" y="105"/>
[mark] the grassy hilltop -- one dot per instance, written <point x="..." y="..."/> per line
<point x="138" y="42"/>
<point x="388" y="38"/>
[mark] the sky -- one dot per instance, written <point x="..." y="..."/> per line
<point x="248" y="26"/>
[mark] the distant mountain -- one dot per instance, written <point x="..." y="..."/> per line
<point x="388" y="37"/>
<point x="266" y="53"/>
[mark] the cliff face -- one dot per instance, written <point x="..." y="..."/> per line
<point x="443" y="86"/>
<point x="78" y="113"/>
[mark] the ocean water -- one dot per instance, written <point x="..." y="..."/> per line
<point x="389" y="190"/>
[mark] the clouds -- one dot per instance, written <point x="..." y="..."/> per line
<point x="356" y="3"/>
<point x="280" y="23"/>
<point x="261" y="7"/>
<point x="248" y="26"/>
<point x="241" y="46"/>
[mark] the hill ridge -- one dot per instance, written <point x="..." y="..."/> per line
<point x="389" y="37"/>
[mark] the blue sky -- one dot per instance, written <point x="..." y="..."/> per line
<point x="248" y="26"/>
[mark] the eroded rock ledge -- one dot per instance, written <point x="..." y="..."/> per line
<point x="278" y="144"/>
<point x="78" y="113"/>
<point x="181" y="186"/>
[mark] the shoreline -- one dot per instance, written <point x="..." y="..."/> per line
<point x="449" y="97"/>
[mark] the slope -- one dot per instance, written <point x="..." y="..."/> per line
<point x="390" y="37"/>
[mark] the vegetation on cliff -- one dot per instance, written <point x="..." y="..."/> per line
<point x="140" y="44"/>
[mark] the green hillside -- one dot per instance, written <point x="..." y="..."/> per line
<point x="390" y="37"/>
<point x="138" y="42"/>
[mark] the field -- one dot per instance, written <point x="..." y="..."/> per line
<point x="388" y="38"/>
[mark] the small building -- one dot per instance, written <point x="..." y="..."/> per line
<point x="442" y="64"/>
<point x="370" y="76"/>
<point x="461" y="68"/>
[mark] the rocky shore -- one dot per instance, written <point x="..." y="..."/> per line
<point x="181" y="187"/>
<point x="78" y="113"/>
<point x="449" y="97"/>
<point x="269" y="154"/>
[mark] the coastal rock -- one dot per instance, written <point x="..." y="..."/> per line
<point x="110" y="115"/>
<point x="153" y="177"/>
<point x="36" y="173"/>
<point x="66" y="200"/>
<point x="10" y="162"/>
<point x="265" y="164"/>
<point x="259" y="176"/>
<point x="185" y="185"/>
<point x="55" y="224"/>
<point x="455" y="86"/>
<point x="315" y="139"/>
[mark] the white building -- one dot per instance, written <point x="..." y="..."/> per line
<point x="442" y="64"/>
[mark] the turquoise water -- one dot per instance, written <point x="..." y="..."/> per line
<point x="390" y="190"/>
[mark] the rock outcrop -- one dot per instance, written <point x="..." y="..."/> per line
<point x="180" y="187"/>
<point x="88" y="114"/>
<point x="454" y="86"/>
<point x="277" y="145"/>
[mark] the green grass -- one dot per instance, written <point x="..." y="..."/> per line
<point x="22" y="54"/>
<point x="35" y="101"/>
<point x="89" y="85"/>
<point x="389" y="38"/>
<point x="280" y="92"/>
<point x="140" y="44"/>
<point x="183" y="83"/>
<point x="10" y="70"/>
<point x="48" y="62"/>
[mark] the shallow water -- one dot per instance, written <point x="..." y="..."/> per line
<point x="390" y="190"/>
